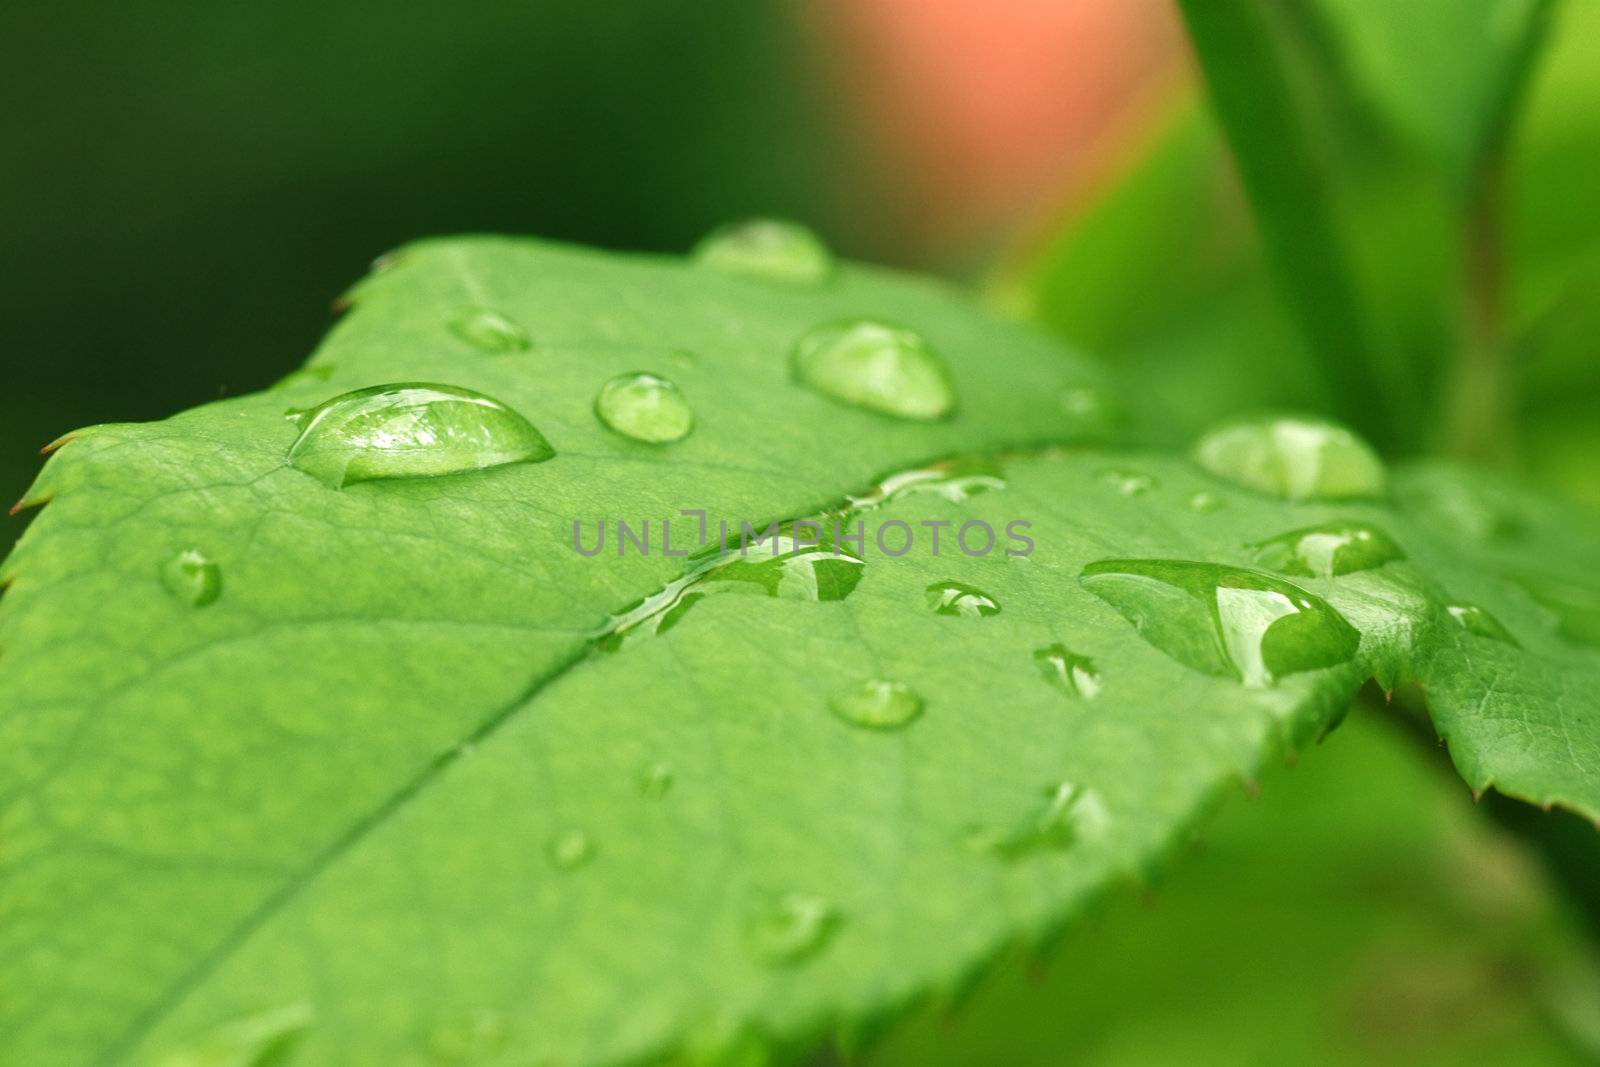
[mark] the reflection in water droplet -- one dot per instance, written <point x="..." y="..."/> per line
<point x="570" y="849"/>
<point x="1129" y="483"/>
<point x="767" y="248"/>
<point x="873" y="365"/>
<point x="266" y="1039"/>
<point x="959" y="598"/>
<point x="192" y="577"/>
<point x="1328" y="550"/>
<point x="1068" y="671"/>
<point x="489" y="330"/>
<point x="1225" y="621"/>
<point x="1205" y="502"/>
<point x="1479" y="622"/>
<point x="954" y="480"/>
<point x="877" y="704"/>
<point x="797" y="562"/>
<point x="411" y="430"/>
<point x="789" y="928"/>
<point x="644" y="407"/>
<point x="1065" y="815"/>
<point x="1295" y="458"/>
<point x="469" y="1036"/>
<point x="656" y="781"/>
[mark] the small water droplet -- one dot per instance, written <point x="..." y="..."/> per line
<point x="1205" y="502"/>
<point x="959" y="598"/>
<point x="1065" y="815"/>
<point x="1068" y="671"/>
<point x="1328" y="550"/>
<point x="952" y="480"/>
<point x="489" y="330"/>
<point x="1475" y="620"/>
<point x="192" y="577"/>
<point x="789" y="928"/>
<point x="873" y="365"/>
<point x="644" y="407"/>
<point x="1294" y="458"/>
<point x="1129" y="483"/>
<point x="410" y="430"/>
<point x="570" y="849"/>
<point x="469" y="1036"/>
<point x="1084" y="403"/>
<point x="656" y="781"/>
<point x="266" y="1039"/>
<point x="1225" y="621"/>
<point x="767" y="248"/>
<point x="878" y="705"/>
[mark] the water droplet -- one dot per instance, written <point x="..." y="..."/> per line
<point x="789" y="928"/>
<point x="883" y="368"/>
<point x="877" y="705"/>
<point x="1328" y="550"/>
<point x="1475" y="620"/>
<point x="645" y="408"/>
<point x="952" y="480"/>
<point x="1068" y="671"/>
<point x="489" y="330"/>
<point x="1205" y="502"/>
<point x="790" y="561"/>
<point x="570" y="849"/>
<point x="469" y="1036"/>
<point x="1224" y="621"/>
<point x="656" y="781"/>
<point x="1084" y="403"/>
<point x="959" y="598"/>
<point x="1294" y="458"/>
<point x="767" y="248"/>
<point x="411" y="430"/>
<point x="1066" y="814"/>
<point x="266" y="1039"/>
<point x="192" y="577"/>
<point x="1575" y="606"/>
<point x="1129" y="483"/>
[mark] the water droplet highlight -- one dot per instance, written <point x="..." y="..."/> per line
<point x="192" y="577"/>
<point x="411" y="430"/>
<point x="1067" y="671"/>
<point x="961" y="599"/>
<point x="873" y="365"/>
<point x="1328" y="550"/>
<point x="877" y="705"/>
<point x="1065" y="815"/>
<point x="488" y="330"/>
<point x="953" y="480"/>
<point x="570" y="850"/>
<point x="467" y="1037"/>
<point x="771" y="249"/>
<point x="644" y="407"/>
<point x="1294" y="458"/>
<point x="1205" y="503"/>
<point x="1129" y="483"/>
<point x="1224" y="621"/>
<point x="789" y="928"/>
<point x="1475" y="620"/>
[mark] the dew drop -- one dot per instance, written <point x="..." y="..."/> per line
<point x="1065" y="814"/>
<point x="953" y="480"/>
<point x="1328" y="550"/>
<point x="1294" y="458"/>
<point x="1129" y="483"/>
<point x="1083" y="403"/>
<point x="266" y="1039"/>
<point x="772" y="249"/>
<point x="883" y="368"/>
<point x="656" y="781"/>
<point x="489" y="330"/>
<point x="1225" y="621"/>
<point x="789" y="928"/>
<point x="1575" y="606"/>
<point x="411" y="430"/>
<point x="470" y="1036"/>
<point x="1205" y="503"/>
<point x="644" y="407"/>
<point x="877" y="705"/>
<point x="959" y="598"/>
<point x="570" y="849"/>
<point x="1068" y="671"/>
<point x="192" y="577"/>
<point x="1475" y="620"/>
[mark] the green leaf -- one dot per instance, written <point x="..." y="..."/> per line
<point x="389" y="771"/>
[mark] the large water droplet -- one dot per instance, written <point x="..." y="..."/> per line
<point x="489" y="330"/>
<point x="877" y="704"/>
<point x="1475" y="620"/>
<point x="1065" y="814"/>
<point x="953" y="480"/>
<point x="877" y="366"/>
<point x="644" y="407"/>
<point x="570" y="849"/>
<point x="192" y="577"/>
<point x="266" y="1039"/>
<point x="788" y="928"/>
<point x="792" y="562"/>
<point x="767" y="248"/>
<point x="1295" y="458"/>
<point x="469" y="1036"/>
<point x="1225" y="621"/>
<point x="411" y="430"/>
<point x="1328" y="550"/>
<point x="959" y="598"/>
<point x="1068" y="671"/>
